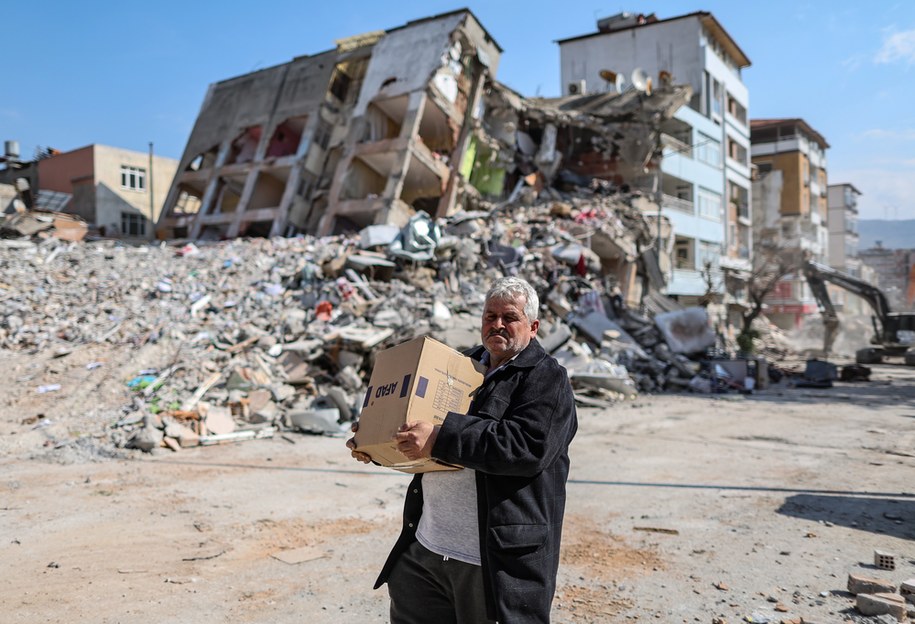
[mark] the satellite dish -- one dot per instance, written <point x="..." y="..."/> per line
<point x="641" y="81"/>
<point x="611" y="77"/>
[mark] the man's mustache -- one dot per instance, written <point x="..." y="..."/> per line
<point x="497" y="332"/>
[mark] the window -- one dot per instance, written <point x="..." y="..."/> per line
<point x="683" y="253"/>
<point x="709" y="254"/>
<point x="133" y="178"/>
<point x="737" y="152"/>
<point x="709" y="204"/>
<point x="716" y="98"/>
<point x="133" y="224"/>
<point x="737" y="110"/>
<point x="708" y="150"/>
<point x="322" y="134"/>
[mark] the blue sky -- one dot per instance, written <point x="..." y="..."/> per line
<point x="127" y="73"/>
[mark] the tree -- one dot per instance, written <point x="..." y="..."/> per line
<point x="771" y="264"/>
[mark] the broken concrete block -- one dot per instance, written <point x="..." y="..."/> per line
<point x="322" y="420"/>
<point x="146" y="439"/>
<point x="686" y="331"/>
<point x="882" y="604"/>
<point x="553" y="336"/>
<point x="866" y="585"/>
<point x="219" y="421"/>
<point x="184" y="435"/>
<point x="171" y="443"/>
<point x="907" y="590"/>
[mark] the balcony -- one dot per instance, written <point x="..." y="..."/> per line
<point x="676" y="146"/>
<point x="683" y="205"/>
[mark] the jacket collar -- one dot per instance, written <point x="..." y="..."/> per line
<point x="528" y="358"/>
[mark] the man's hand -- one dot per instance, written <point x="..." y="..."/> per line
<point x="351" y="445"/>
<point x="416" y="439"/>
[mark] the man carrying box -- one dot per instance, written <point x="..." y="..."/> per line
<point x="482" y="544"/>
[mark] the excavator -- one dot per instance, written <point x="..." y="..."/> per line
<point x="894" y="332"/>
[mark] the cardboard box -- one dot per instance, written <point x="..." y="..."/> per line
<point x="423" y="380"/>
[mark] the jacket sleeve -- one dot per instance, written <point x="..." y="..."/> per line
<point x="536" y="425"/>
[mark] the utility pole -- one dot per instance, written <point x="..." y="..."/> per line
<point x="152" y="204"/>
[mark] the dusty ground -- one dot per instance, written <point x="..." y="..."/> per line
<point x="681" y="509"/>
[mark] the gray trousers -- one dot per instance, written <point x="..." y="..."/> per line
<point x="427" y="588"/>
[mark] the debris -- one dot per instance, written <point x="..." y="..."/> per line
<point x="296" y="556"/>
<point x="882" y="604"/>
<point x="865" y="585"/>
<point x="237" y="436"/>
<point x="658" y="530"/>
<point x="205" y="557"/>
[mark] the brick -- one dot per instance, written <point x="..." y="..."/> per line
<point x="907" y="589"/>
<point x="884" y="560"/>
<point x="866" y="585"/>
<point x="880" y="604"/>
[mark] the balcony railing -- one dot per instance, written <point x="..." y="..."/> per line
<point x="676" y="145"/>
<point x="683" y="205"/>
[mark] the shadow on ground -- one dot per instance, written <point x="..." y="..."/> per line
<point x="886" y="516"/>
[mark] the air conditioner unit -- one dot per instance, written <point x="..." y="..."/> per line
<point x="579" y="87"/>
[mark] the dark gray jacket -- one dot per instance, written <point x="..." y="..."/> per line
<point x="516" y="437"/>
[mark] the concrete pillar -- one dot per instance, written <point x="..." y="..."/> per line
<point x="206" y="203"/>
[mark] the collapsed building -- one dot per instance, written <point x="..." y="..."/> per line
<point x="408" y="121"/>
<point x="366" y="133"/>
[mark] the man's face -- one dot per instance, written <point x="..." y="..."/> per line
<point x="506" y="330"/>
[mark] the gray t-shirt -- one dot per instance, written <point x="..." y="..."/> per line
<point x="449" y="526"/>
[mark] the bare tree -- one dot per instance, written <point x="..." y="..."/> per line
<point x="771" y="264"/>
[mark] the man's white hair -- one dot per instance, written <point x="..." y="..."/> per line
<point x="512" y="288"/>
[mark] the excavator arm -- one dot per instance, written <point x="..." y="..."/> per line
<point x="821" y="294"/>
<point x="818" y="274"/>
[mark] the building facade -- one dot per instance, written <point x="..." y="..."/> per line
<point x="703" y="184"/>
<point x="118" y="191"/>
<point x="367" y="133"/>
<point x="790" y="206"/>
<point x="842" y="224"/>
<point x="894" y="270"/>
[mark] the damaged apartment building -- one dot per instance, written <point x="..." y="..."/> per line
<point x="366" y="133"/>
<point x="395" y="123"/>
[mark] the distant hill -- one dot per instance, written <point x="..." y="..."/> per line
<point x="891" y="234"/>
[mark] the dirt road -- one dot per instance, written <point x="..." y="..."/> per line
<point x="681" y="509"/>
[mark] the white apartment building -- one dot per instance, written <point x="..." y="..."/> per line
<point x="705" y="171"/>
<point x="842" y="203"/>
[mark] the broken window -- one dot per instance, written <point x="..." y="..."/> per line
<point x="203" y="160"/>
<point x="347" y="80"/>
<point x="187" y="203"/>
<point x="339" y="86"/>
<point x="287" y="136"/>
<point x="244" y="147"/>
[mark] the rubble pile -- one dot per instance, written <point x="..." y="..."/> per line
<point x="278" y="334"/>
